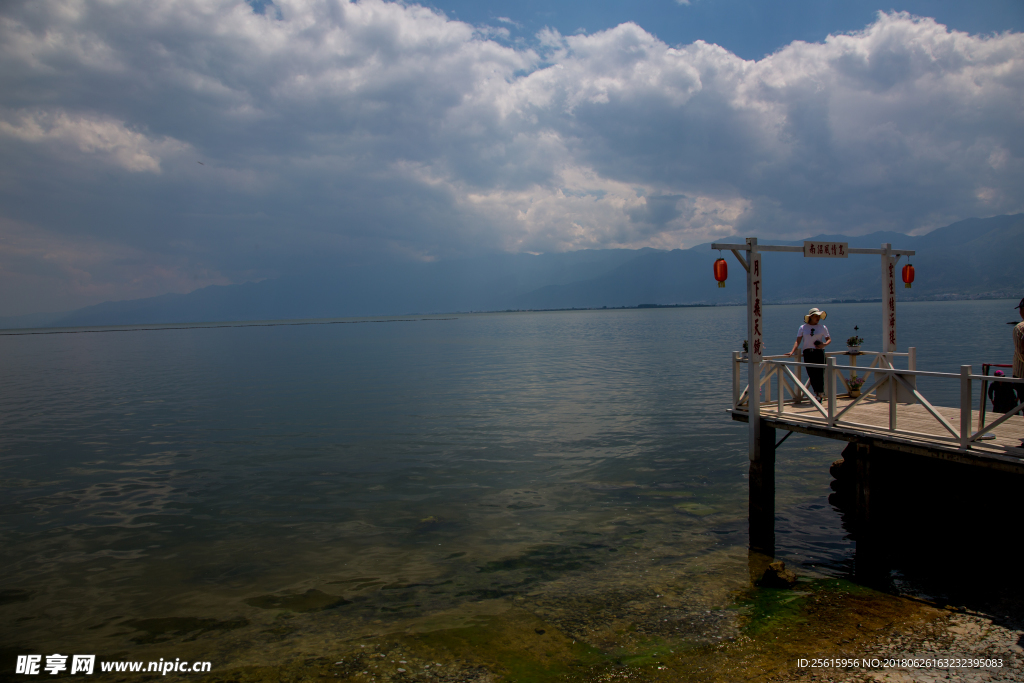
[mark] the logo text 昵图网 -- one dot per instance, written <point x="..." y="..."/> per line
<point x="86" y="664"/>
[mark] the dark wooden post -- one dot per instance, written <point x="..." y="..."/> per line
<point x="762" y="492"/>
<point x="862" y="489"/>
<point x="869" y="560"/>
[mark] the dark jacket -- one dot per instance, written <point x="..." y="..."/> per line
<point x="1003" y="398"/>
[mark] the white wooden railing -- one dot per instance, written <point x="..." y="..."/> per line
<point x="888" y="383"/>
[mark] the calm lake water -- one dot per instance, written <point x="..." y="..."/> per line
<point x="247" y="494"/>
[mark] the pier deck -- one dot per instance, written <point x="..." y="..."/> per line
<point x="1004" y="452"/>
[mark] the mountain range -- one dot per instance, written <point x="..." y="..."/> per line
<point x="974" y="258"/>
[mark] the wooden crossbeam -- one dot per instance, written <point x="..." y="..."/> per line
<point x="928" y="406"/>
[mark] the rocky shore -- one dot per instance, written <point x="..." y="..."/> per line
<point x="953" y="635"/>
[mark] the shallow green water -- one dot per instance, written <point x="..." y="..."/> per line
<point x="244" y="495"/>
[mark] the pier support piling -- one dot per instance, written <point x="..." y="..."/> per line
<point x="862" y="487"/>
<point x="762" y="492"/>
<point x="870" y="559"/>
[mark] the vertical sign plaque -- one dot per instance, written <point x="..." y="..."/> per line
<point x="756" y="345"/>
<point x="756" y="340"/>
<point x="888" y="299"/>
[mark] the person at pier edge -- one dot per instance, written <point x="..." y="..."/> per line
<point x="813" y="338"/>
<point x="1002" y="395"/>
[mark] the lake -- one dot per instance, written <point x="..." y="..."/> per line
<point x="545" y="493"/>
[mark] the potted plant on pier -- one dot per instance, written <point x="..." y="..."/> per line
<point x="855" y="384"/>
<point x="853" y="344"/>
<point x="746" y="350"/>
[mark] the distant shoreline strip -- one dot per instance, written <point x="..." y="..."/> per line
<point x="214" y="327"/>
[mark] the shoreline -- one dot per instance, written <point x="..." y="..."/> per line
<point x="417" y="317"/>
<point x="555" y="637"/>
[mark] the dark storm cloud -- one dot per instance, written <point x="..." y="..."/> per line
<point x="330" y="132"/>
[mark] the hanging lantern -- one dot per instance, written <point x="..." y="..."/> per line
<point x="721" y="271"/>
<point x="908" y="275"/>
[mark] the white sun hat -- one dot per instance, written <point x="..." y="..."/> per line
<point x="814" y="311"/>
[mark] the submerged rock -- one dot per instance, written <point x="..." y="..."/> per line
<point x="838" y="469"/>
<point x="777" y="576"/>
<point x="310" y="601"/>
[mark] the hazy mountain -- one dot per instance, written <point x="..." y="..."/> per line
<point x="971" y="258"/>
<point x="975" y="257"/>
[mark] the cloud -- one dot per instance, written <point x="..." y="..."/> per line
<point x="44" y="272"/>
<point x="332" y="132"/>
<point x="97" y="137"/>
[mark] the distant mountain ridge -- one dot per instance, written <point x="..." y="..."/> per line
<point x="978" y="257"/>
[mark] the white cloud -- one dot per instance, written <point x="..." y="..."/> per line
<point x="329" y="128"/>
<point x="94" y="136"/>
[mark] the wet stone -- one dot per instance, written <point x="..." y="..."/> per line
<point x="777" y="576"/>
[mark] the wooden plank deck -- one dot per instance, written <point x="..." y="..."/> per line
<point x="871" y="418"/>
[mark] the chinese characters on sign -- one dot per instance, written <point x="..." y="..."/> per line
<point x="826" y="249"/>
<point x="34" y="665"/>
<point x="756" y="343"/>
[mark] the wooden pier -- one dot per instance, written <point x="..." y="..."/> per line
<point x="898" y="440"/>
<point x="901" y="420"/>
<point x="1004" y="452"/>
<point x="893" y="427"/>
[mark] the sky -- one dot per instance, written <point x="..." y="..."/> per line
<point x="155" y="147"/>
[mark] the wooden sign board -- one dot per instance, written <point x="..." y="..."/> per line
<point x="757" y="341"/>
<point x="889" y="291"/>
<point x="826" y="249"/>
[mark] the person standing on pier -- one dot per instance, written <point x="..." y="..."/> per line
<point x="813" y="338"/>
<point x="1002" y="394"/>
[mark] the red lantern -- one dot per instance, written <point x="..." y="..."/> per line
<point x="721" y="271"/>
<point x="908" y="274"/>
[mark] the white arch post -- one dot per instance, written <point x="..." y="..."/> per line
<point x="761" y="438"/>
